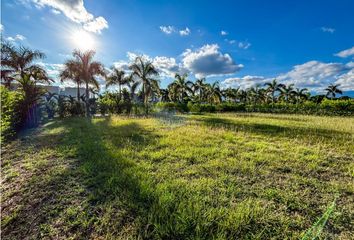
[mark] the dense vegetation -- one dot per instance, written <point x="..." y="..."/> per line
<point x="213" y="176"/>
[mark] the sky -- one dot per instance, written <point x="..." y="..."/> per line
<point x="238" y="43"/>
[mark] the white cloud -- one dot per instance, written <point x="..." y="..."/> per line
<point x="346" y="80"/>
<point x="167" y="66"/>
<point x="56" y="12"/>
<point x="224" y="33"/>
<point x="185" y="32"/>
<point x="124" y="65"/>
<point x="53" y="70"/>
<point x="244" y="45"/>
<point x="314" y="74"/>
<point x="75" y="11"/>
<point x="243" y="82"/>
<point x="1" y="27"/>
<point x="209" y="61"/>
<point x="18" y="37"/>
<point x="167" y="29"/>
<point x="96" y="25"/>
<point x="346" y="53"/>
<point x="328" y="29"/>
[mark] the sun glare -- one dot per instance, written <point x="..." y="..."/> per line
<point x="83" y="40"/>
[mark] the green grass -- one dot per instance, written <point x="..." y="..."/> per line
<point x="226" y="176"/>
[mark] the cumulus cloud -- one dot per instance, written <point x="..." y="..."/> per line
<point x="166" y="66"/>
<point x="167" y="29"/>
<point x="328" y="29"/>
<point x="1" y="27"/>
<point x="346" y="53"/>
<point x="209" y="61"/>
<point x="243" y="82"/>
<point x="224" y="33"/>
<point x="185" y="32"/>
<point x="346" y="80"/>
<point x="124" y="65"/>
<point x="53" y="71"/>
<point x="56" y="12"/>
<point x="96" y="25"/>
<point x="313" y="75"/>
<point x="18" y="37"/>
<point x="75" y="11"/>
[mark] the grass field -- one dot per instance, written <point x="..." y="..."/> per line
<point x="229" y="176"/>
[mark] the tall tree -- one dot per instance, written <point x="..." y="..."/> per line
<point x="117" y="77"/>
<point x="199" y="86"/>
<point x="332" y="90"/>
<point x="17" y="64"/>
<point x="273" y="87"/>
<point x="213" y="92"/>
<point x="88" y="70"/>
<point x="145" y="72"/>
<point x="301" y="94"/>
<point x="287" y="92"/>
<point x="71" y="72"/>
<point x="18" y="60"/>
<point x="182" y="87"/>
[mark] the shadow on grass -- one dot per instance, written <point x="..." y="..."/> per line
<point x="273" y="116"/>
<point x="313" y="134"/>
<point x="87" y="189"/>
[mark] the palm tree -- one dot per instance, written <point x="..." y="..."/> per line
<point x="164" y="93"/>
<point x="199" y="85"/>
<point x="301" y="94"/>
<point x="332" y="90"/>
<point x="88" y="71"/>
<point x="256" y="94"/>
<point x="181" y="87"/>
<point x="287" y="92"/>
<point x="145" y="71"/>
<point x="71" y="72"/>
<point x="17" y="65"/>
<point x="213" y="92"/>
<point x="243" y="95"/>
<point x="32" y="94"/>
<point x="117" y="77"/>
<point x="273" y="87"/>
<point x="18" y="60"/>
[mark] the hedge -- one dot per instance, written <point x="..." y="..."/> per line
<point x="326" y="107"/>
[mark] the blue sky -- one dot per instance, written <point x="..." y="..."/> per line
<point x="239" y="43"/>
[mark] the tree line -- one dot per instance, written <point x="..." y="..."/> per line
<point x="138" y="86"/>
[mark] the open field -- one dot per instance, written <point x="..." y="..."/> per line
<point x="226" y="176"/>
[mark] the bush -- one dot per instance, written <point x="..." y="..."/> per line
<point x="171" y="107"/>
<point x="11" y="115"/>
<point x="326" y="107"/>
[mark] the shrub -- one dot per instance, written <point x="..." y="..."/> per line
<point x="326" y="107"/>
<point x="11" y="115"/>
<point x="171" y="107"/>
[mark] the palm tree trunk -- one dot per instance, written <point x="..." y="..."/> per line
<point x="87" y="101"/>
<point x="78" y="92"/>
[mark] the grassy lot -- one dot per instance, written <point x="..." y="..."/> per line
<point x="229" y="176"/>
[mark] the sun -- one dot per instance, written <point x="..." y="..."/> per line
<point x="83" y="40"/>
